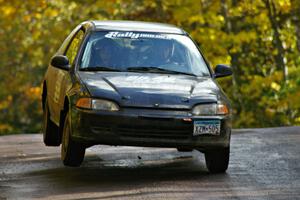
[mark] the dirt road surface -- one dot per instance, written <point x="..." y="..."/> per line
<point x="265" y="164"/>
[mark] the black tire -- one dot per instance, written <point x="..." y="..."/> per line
<point x="184" y="149"/>
<point x="51" y="135"/>
<point x="72" y="153"/>
<point x="217" y="160"/>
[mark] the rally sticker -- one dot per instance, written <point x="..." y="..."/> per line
<point x="134" y="35"/>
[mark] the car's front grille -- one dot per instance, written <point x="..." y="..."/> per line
<point x="154" y="132"/>
<point x="155" y="128"/>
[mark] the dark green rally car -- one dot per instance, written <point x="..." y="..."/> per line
<point x="137" y="84"/>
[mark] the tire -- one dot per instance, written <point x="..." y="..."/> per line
<point x="217" y="160"/>
<point x="184" y="149"/>
<point x="51" y="135"/>
<point x="72" y="153"/>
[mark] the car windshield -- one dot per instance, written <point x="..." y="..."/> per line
<point x="142" y="52"/>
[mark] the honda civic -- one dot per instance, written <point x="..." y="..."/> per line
<point x="137" y="84"/>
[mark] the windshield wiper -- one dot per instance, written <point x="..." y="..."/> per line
<point x="156" y="69"/>
<point x="99" y="68"/>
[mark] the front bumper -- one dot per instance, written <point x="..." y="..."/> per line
<point x="145" y="127"/>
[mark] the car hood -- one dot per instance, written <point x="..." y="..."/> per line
<point x="150" y="89"/>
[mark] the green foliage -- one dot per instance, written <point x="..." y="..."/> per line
<point x="259" y="39"/>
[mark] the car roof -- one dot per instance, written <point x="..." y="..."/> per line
<point x="136" y="26"/>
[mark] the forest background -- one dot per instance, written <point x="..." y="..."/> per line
<point x="259" y="39"/>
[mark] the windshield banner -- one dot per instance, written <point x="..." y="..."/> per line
<point x="133" y="35"/>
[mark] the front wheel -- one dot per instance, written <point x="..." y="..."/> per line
<point x="217" y="160"/>
<point x="183" y="149"/>
<point x="72" y="152"/>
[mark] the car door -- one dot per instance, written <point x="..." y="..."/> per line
<point x="56" y="76"/>
<point x="64" y="77"/>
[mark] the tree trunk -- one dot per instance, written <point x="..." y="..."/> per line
<point x="296" y="21"/>
<point x="234" y="56"/>
<point x="280" y="56"/>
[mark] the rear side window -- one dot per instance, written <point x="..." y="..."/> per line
<point x="74" y="46"/>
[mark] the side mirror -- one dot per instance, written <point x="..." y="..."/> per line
<point x="222" y="71"/>
<point x="61" y="62"/>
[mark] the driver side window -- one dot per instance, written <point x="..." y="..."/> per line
<point x="74" y="46"/>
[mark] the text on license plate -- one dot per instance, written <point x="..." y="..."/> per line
<point x="207" y="127"/>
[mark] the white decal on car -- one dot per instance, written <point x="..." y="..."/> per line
<point x="133" y="35"/>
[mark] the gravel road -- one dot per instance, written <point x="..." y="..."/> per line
<point x="264" y="164"/>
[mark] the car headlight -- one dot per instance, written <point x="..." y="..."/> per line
<point x="100" y="104"/>
<point x="97" y="104"/>
<point x="210" y="109"/>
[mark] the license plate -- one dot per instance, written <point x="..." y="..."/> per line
<point x="207" y="127"/>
